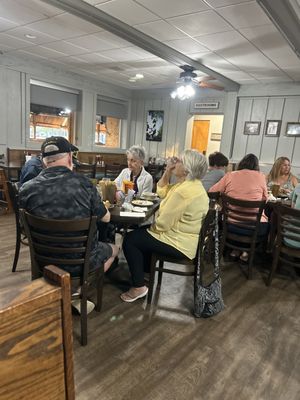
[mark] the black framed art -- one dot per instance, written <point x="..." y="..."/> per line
<point x="273" y="127"/>
<point x="251" y="128"/>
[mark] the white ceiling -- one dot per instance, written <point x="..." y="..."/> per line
<point x="232" y="37"/>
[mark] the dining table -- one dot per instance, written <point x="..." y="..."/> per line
<point x="124" y="218"/>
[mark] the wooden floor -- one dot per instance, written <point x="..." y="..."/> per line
<point x="249" y="351"/>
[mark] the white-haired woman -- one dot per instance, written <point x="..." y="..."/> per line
<point x="136" y="173"/>
<point x="176" y="229"/>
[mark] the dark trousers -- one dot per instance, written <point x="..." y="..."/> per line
<point x="138" y="246"/>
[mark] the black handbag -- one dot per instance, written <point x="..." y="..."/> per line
<point x="208" y="299"/>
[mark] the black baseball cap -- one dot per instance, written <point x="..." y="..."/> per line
<point x="55" y="145"/>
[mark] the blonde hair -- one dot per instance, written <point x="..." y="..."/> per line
<point x="194" y="163"/>
<point x="275" y="171"/>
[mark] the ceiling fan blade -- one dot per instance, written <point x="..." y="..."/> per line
<point x="208" y="85"/>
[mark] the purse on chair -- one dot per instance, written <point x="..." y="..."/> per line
<point x="208" y="299"/>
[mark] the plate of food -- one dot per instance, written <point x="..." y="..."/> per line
<point x="142" y="203"/>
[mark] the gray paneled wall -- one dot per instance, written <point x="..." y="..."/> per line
<point x="262" y="109"/>
<point x="176" y="114"/>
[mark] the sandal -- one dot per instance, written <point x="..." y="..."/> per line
<point x="244" y="257"/>
<point x="130" y="297"/>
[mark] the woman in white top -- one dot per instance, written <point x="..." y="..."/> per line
<point x="136" y="173"/>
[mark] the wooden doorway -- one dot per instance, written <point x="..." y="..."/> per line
<point x="200" y="135"/>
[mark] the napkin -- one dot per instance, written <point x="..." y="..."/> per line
<point x="139" y="209"/>
<point x="132" y="214"/>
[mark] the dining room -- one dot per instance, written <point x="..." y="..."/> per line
<point x="109" y="75"/>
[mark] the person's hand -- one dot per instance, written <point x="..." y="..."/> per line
<point x="171" y="163"/>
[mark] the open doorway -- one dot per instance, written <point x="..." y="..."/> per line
<point x="205" y="133"/>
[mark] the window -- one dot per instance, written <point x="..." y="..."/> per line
<point x="52" y="110"/>
<point x="109" y="116"/>
<point x="51" y="123"/>
<point x="107" y="132"/>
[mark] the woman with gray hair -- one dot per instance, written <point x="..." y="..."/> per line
<point x="176" y="230"/>
<point x="136" y="173"/>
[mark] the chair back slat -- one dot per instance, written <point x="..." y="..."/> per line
<point x="287" y="246"/>
<point x="288" y="224"/>
<point x="89" y="170"/>
<point x="112" y="171"/>
<point x="241" y="223"/>
<point x="49" y="238"/>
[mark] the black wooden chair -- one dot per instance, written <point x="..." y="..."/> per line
<point x="89" y="170"/>
<point x="112" y="171"/>
<point x="21" y="238"/>
<point x="5" y="201"/>
<point x="288" y="229"/>
<point x="205" y="247"/>
<point x="241" y="225"/>
<point x="65" y="243"/>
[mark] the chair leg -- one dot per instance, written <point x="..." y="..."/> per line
<point x="99" y="288"/>
<point x="159" y="279"/>
<point x="17" y="250"/>
<point x="152" y="278"/>
<point x="250" y="265"/>
<point x="274" y="266"/>
<point x="83" y="314"/>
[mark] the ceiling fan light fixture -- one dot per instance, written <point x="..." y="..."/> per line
<point x="183" y="92"/>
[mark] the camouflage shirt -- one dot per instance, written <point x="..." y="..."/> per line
<point x="59" y="193"/>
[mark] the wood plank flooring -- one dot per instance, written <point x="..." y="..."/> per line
<point x="249" y="351"/>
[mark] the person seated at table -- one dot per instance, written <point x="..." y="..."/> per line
<point x="31" y="169"/>
<point x="246" y="183"/>
<point x="136" y="173"/>
<point x="59" y="193"/>
<point x="216" y="170"/>
<point x="176" y="230"/>
<point x="281" y="175"/>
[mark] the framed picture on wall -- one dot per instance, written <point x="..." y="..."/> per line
<point x="293" y="129"/>
<point x="273" y="128"/>
<point x="155" y="122"/>
<point x="251" y="128"/>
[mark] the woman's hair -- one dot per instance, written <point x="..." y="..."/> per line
<point x="250" y="161"/>
<point x="275" y="171"/>
<point x="137" y="152"/>
<point x="217" y="159"/>
<point x="194" y="163"/>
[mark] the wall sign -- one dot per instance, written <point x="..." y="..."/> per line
<point x="207" y="105"/>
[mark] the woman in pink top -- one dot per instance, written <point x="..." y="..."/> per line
<point x="247" y="183"/>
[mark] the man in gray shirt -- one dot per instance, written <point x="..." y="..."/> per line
<point x="217" y="163"/>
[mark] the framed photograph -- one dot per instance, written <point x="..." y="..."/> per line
<point x="155" y="122"/>
<point x="251" y="128"/>
<point x="273" y="128"/>
<point x="216" y="137"/>
<point x="293" y="129"/>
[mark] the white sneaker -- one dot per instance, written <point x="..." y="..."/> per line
<point x="77" y="305"/>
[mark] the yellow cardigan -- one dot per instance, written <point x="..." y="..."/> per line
<point x="180" y="215"/>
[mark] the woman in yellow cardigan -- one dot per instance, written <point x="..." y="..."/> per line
<point x="176" y="229"/>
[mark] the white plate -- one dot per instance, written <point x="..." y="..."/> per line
<point x="142" y="203"/>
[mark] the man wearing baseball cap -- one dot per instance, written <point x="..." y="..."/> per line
<point x="59" y="193"/>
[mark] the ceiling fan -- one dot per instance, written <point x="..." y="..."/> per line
<point x="188" y="76"/>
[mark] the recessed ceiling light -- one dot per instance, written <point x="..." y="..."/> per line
<point x="132" y="79"/>
<point x="28" y="36"/>
<point x="139" y="76"/>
